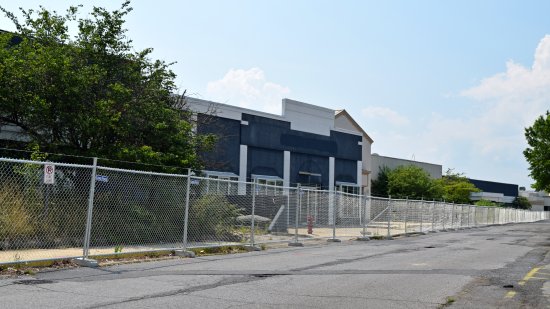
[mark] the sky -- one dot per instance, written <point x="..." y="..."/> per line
<point x="447" y="82"/>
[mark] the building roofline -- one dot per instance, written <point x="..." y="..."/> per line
<point x="497" y="182"/>
<point x="377" y="155"/>
<point x="237" y="108"/>
<point x="345" y="113"/>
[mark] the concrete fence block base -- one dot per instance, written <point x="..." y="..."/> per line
<point x="295" y="244"/>
<point x="85" y="262"/>
<point x="185" y="253"/>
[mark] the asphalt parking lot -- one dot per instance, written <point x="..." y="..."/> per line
<point x="491" y="267"/>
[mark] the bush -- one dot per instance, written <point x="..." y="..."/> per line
<point x="521" y="202"/>
<point x="15" y="218"/>
<point x="212" y="216"/>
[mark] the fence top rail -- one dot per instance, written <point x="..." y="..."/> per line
<point x="290" y="189"/>
<point x="349" y="194"/>
<point x="104" y="168"/>
<point x="44" y="163"/>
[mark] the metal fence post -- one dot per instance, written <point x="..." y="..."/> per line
<point x="433" y="216"/>
<point x="298" y="205"/>
<point x="366" y="217"/>
<point x="252" y="228"/>
<point x="184" y="251"/>
<point x="406" y="213"/>
<point x="389" y="217"/>
<point x="452" y="215"/>
<point x="85" y="261"/>
<point x="335" y="209"/>
<point x="421" y="214"/>
<point x="461" y="221"/>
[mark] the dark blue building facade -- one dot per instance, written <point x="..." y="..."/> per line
<point x="496" y="187"/>
<point x="256" y="145"/>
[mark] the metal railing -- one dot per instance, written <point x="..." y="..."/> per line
<point x="58" y="210"/>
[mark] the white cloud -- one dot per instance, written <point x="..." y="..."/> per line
<point x="248" y="89"/>
<point x="386" y="114"/>
<point x="513" y="99"/>
<point x="520" y="94"/>
<point x="485" y="138"/>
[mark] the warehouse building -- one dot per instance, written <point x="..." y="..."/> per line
<point x="309" y="145"/>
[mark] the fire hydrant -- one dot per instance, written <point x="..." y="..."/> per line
<point x="310" y="224"/>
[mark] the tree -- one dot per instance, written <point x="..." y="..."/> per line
<point x="456" y="188"/>
<point x="379" y="187"/>
<point x="91" y="94"/>
<point x="538" y="152"/>
<point x="410" y="181"/>
<point x="521" y="202"/>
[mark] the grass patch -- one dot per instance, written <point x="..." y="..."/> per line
<point x="377" y="237"/>
<point x="134" y="255"/>
<point x="219" y="250"/>
<point x="450" y="301"/>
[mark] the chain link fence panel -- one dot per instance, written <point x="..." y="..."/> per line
<point x="43" y="208"/>
<point x="137" y="211"/>
<point x="59" y="210"/>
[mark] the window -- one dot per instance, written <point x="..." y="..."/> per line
<point x="221" y="183"/>
<point x="347" y="187"/>
<point x="268" y="185"/>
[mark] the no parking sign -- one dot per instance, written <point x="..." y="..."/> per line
<point x="49" y="174"/>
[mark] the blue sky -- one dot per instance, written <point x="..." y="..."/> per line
<point x="448" y="82"/>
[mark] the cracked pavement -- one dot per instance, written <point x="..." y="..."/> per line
<point x="477" y="268"/>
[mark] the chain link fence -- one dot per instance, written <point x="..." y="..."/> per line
<point x="58" y="210"/>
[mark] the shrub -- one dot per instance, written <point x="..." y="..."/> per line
<point x="15" y="218"/>
<point x="212" y="216"/>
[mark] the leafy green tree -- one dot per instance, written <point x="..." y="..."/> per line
<point x="379" y="187"/>
<point x="521" y="202"/>
<point x="91" y="94"/>
<point x="413" y="182"/>
<point x="456" y="188"/>
<point x="538" y="152"/>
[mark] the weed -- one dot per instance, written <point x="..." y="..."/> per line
<point x="154" y="254"/>
<point x="17" y="259"/>
<point x="118" y="249"/>
<point x="450" y="301"/>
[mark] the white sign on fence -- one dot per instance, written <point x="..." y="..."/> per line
<point x="49" y="174"/>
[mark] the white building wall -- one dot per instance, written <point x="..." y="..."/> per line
<point x="434" y="170"/>
<point x="342" y="122"/>
<point x="308" y="118"/>
<point x="538" y="200"/>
